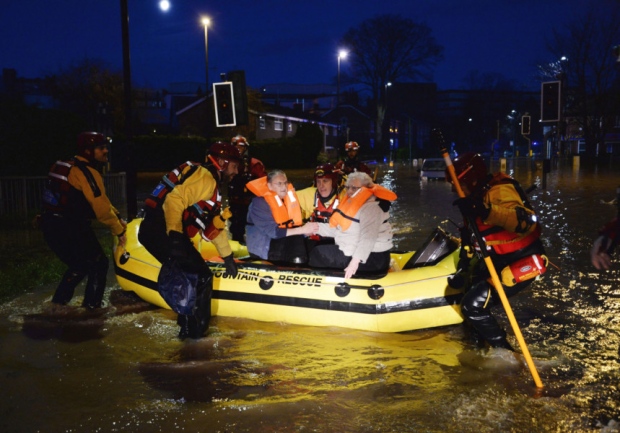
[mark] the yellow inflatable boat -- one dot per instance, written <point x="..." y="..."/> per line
<point x="413" y="295"/>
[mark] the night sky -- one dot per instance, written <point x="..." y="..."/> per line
<point x="274" y="41"/>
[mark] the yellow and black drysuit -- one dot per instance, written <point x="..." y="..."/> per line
<point x="75" y="195"/>
<point x="511" y="232"/>
<point x="186" y="196"/>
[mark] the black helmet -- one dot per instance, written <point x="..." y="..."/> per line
<point x="470" y="170"/>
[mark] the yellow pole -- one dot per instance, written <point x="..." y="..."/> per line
<point x="494" y="277"/>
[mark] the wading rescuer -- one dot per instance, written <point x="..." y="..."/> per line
<point x="186" y="202"/>
<point x="74" y="195"/>
<point x="506" y="220"/>
<point x="239" y="197"/>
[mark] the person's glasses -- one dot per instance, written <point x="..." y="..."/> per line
<point x="352" y="188"/>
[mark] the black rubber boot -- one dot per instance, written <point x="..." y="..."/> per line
<point x="500" y="342"/>
<point x="66" y="287"/>
<point x="183" y="320"/>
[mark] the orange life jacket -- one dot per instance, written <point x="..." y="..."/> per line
<point x="287" y="212"/>
<point x="344" y="215"/>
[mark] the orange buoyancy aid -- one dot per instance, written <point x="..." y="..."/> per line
<point x="286" y="212"/>
<point x="323" y="213"/>
<point x="501" y="240"/>
<point x="344" y="215"/>
<point x="199" y="217"/>
<point x="504" y="242"/>
<point x="169" y="181"/>
<point x="60" y="197"/>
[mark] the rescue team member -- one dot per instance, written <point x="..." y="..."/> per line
<point x="319" y="201"/>
<point x="351" y="163"/>
<point x="360" y="228"/>
<point x="186" y="201"/>
<point x="506" y="220"/>
<point x="604" y="245"/>
<point x="274" y="228"/>
<point x="74" y="195"/>
<point x="239" y="197"/>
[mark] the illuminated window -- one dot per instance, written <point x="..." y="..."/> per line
<point x="278" y="125"/>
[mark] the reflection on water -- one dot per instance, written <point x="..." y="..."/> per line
<point x="124" y="370"/>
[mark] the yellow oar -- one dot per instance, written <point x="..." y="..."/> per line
<point x="487" y="260"/>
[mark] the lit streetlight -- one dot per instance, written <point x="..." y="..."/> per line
<point x="205" y="22"/>
<point x="342" y="54"/>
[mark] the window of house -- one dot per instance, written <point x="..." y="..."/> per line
<point x="289" y="126"/>
<point x="261" y="123"/>
<point x="278" y="125"/>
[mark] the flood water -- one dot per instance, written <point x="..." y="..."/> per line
<point x="125" y="371"/>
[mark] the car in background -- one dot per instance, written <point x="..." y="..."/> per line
<point x="433" y="168"/>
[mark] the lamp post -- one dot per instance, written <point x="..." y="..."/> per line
<point x="130" y="168"/>
<point x="205" y="22"/>
<point x="342" y="54"/>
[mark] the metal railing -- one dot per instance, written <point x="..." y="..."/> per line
<point x="21" y="196"/>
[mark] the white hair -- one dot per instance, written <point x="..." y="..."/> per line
<point x="361" y="176"/>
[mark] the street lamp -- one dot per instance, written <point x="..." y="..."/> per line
<point x="205" y="22"/>
<point x="342" y="54"/>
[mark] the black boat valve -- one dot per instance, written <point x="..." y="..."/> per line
<point x="342" y="289"/>
<point x="124" y="258"/>
<point x="376" y="292"/>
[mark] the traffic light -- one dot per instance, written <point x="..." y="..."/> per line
<point x="550" y="101"/>
<point x="241" y="96"/>
<point x="224" y="104"/>
<point x="525" y="125"/>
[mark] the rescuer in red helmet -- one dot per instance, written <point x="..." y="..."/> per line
<point x="74" y="195"/>
<point x="606" y="242"/>
<point x="239" y="197"/>
<point x="187" y="202"/>
<point x="502" y="213"/>
<point x="351" y="163"/>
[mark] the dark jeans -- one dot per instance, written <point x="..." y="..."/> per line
<point x="330" y="256"/>
<point x="289" y="249"/>
<point x="76" y="245"/>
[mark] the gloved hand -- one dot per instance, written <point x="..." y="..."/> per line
<point x="472" y="207"/>
<point x="231" y="266"/>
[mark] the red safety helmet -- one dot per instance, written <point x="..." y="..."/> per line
<point x="239" y="140"/>
<point x="327" y="170"/>
<point x="225" y="151"/>
<point x="351" y="145"/>
<point x="470" y="170"/>
<point x="90" y="140"/>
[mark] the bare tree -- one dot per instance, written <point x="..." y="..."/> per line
<point x="94" y="92"/>
<point x="585" y="65"/>
<point x="389" y="48"/>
